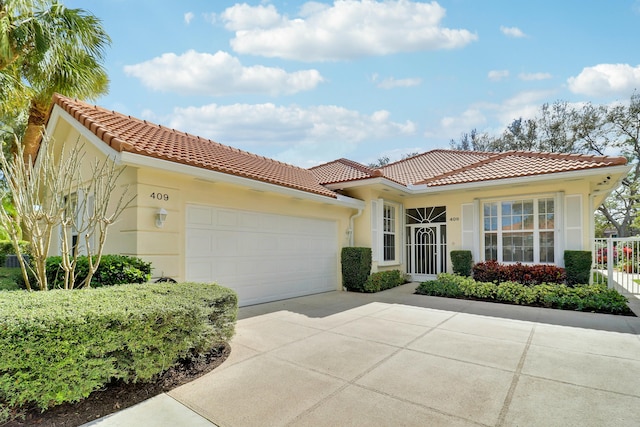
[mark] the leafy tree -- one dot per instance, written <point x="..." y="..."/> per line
<point x="473" y="141"/>
<point x="588" y="129"/>
<point x="47" y="48"/>
<point x="382" y="161"/>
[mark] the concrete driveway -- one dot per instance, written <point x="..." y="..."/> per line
<point x="394" y="358"/>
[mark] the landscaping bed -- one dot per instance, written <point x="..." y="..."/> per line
<point x="118" y="395"/>
<point x="590" y="298"/>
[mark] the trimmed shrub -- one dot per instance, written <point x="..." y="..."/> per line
<point x="113" y="270"/>
<point x="446" y="285"/>
<point x="488" y="271"/>
<point x="594" y="298"/>
<point x="383" y="280"/>
<point x="492" y="271"/>
<point x="578" y="266"/>
<point x="356" y="266"/>
<point x="462" y="261"/>
<point x="59" y="346"/>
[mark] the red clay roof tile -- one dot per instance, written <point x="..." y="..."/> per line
<point x="343" y="170"/>
<point x="433" y="168"/>
<point x="126" y="133"/>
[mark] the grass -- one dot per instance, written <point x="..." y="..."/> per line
<point x="8" y="279"/>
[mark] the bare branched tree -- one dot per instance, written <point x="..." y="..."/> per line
<point x="89" y="217"/>
<point x="42" y="194"/>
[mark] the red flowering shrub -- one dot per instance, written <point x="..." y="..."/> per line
<point x="492" y="271"/>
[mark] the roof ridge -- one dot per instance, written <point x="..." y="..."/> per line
<point x="437" y="150"/>
<point x="572" y="156"/>
<point x="359" y="166"/>
<point x="493" y="156"/>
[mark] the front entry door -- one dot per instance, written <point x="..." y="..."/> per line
<point x="426" y="251"/>
<point x="426" y="241"/>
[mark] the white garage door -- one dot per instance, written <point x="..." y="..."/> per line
<point x="263" y="257"/>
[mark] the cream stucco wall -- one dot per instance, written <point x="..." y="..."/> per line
<point x="453" y="201"/>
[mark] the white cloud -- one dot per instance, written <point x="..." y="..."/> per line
<point x="345" y="30"/>
<point x="292" y="133"/>
<point x="514" y="32"/>
<point x="491" y="117"/>
<point x="469" y="119"/>
<point x="218" y="74"/>
<point x="188" y="17"/>
<point x="391" y="82"/>
<point x="606" y="79"/>
<point x="497" y="75"/>
<point x="241" y="17"/>
<point x="534" y="76"/>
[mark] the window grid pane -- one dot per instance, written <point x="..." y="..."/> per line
<point x="511" y="231"/>
<point x="389" y="233"/>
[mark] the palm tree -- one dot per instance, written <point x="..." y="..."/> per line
<point x="47" y="48"/>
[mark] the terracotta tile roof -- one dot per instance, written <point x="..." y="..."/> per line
<point x="446" y="167"/>
<point x="514" y="164"/>
<point x="343" y="170"/>
<point x="128" y="134"/>
<point x="431" y="164"/>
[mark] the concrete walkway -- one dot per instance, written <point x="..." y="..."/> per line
<point x="395" y="358"/>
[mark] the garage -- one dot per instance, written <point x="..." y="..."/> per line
<point x="263" y="257"/>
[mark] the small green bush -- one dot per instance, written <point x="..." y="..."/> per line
<point x="59" y="346"/>
<point x="462" y="261"/>
<point x="113" y="270"/>
<point x="356" y="266"/>
<point x="446" y="285"/>
<point x="594" y="298"/>
<point x="577" y="264"/>
<point x="383" y="280"/>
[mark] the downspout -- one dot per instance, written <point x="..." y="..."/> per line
<point x="350" y="230"/>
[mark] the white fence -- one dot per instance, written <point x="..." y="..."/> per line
<point x="616" y="262"/>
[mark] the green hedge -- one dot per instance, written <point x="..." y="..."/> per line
<point x="577" y="265"/>
<point x="462" y="261"/>
<point x="596" y="298"/>
<point x="356" y="266"/>
<point x="59" y="346"/>
<point x="383" y="280"/>
<point x="113" y="270"/>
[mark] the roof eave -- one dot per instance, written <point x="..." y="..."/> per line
<point x="137" y="160"/>
<point x="369" y="181"/>
<point x="605" y="170"/>
<point x="132" y="159"/>
<point x="412" y="189"/>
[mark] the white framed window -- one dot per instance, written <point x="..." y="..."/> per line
<point x="520" y="230"/>
<point x="389" y="232"/>
<point x="385" y="236"/>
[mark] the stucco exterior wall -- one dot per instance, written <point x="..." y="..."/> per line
<point x="453" y="201"/>
<point x="135" y="232"/>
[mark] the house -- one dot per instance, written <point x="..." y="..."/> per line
<point x="208" y="212"/>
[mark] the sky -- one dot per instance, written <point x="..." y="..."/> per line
<point x="310" y="82"/>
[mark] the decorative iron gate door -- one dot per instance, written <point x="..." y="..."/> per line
<point x="426" y="242"/>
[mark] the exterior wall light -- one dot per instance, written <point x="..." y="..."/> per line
<point x="161" y="217"/>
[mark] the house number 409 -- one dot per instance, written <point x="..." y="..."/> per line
<point x="160" y="196"/>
